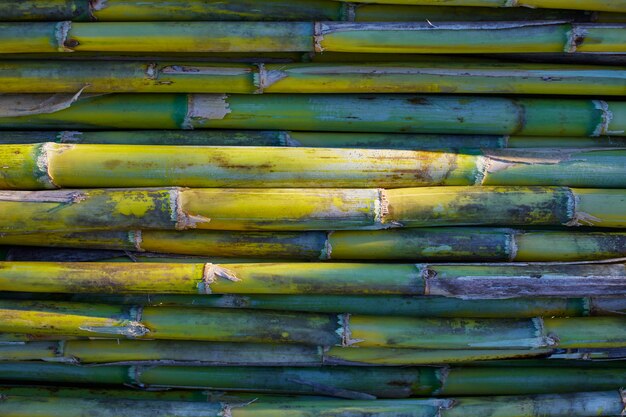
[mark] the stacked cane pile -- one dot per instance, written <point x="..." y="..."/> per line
<point x="312" y="208"/>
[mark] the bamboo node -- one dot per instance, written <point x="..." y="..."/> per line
<point x="43" y="165"/>
<point x="622" y="395"/>
<point x="182" y="219"/>
<point x="211" y="273"/>
<point x="61" y="32"/>
<point x="606" y="117"/>
<point x="285" y="139"/>
<point x="318" y="36"/>
<point x="345" y="332"/>
<point x="152" y="71"/>
<point x="69" y="136"/>
<point x="381" y="207"/>
<point x="575" y="37"/>
<point x="263" y="78"/>
<point x="578" y="218"/>
<point x="327" y="250"/>
<point x="348" y="12"/>
<point x="136" y="238"/>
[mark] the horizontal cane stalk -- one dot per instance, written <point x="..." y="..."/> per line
<point x="306" y="139"/>
<point x="230" y="325"/>
<point x="460" y="244"/>
<point x="368" y="37"/>
<point x="306" y="209"/>
<point x="399" y="77"/>
<point x="343" y="382"/>
<point x="477" y="281"/>
<point x="384" y="113"/>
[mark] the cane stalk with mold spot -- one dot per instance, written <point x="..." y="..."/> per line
<point x="605" y="5"/>
<point x="342" y="382"/>
<point x="303" y="209"/>
<point x="228" y="325"/>
<point x="398" y="77"/>
<point x="306" y="139"/>
<point x="52" y="165"/>
<point x="113" y="403"/>
<point x="395" y="113"/>
<point x="186" y="353"/>
<point x="481" y="281"/>
<point x="460" y="244"/>
<point x="372" y="37"/>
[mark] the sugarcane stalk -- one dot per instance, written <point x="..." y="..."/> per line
<point x="51" y="165"/>
<point x="357" y="113"/>
<point x="346" y="382"/>
<point x="306" y="139"/>
<point x="306" y="209"/>
<point x="115" y="403"/>
<point x="230" y="325"/>
<point x="186" y="353"/>
<point x="601" y="5"/>
<point x="199" y="77"/>
<point x="372" y="37"/>
<point x="192" y="10"/>
<point x="481" y="281"/>
<point x="381" y="305"/>
<point x="460" y="244"/>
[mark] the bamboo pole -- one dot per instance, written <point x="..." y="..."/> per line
<point x="478" y="281"/>
<point x="372" y="37"/>
<point x="381" y="305"/>
<point x="605" y="5"/>
<point x="186" y="353"/>
<point x="356" y="113"/>
<point x="199" y="77"/>
<point x="306" y="209"/>
<point x="607" y="403"/>
<point x="227" y="325"/>
<point x="241" y="10"/>
<point x="343" y="382"/>
<point x="460" y="244"/>
<point x="51" y="165"/>
<point x="305" y="139"/>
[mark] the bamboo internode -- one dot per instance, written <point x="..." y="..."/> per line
<point x="461" y="244"/>
<point x="396" y="113"/>
<point x="395" y="77"/>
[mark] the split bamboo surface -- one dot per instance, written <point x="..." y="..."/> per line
<point x="281" y="10"/>
<point x="394" y="113"/>
<point x="369" y="37"/>
<point x="394" y="77"/>
<point x="344" y="382"/>
<point x="230" y="325"/>
<point x="459" y="244"/>
<point x="306" y="209"/>
<point x="113" y="403"/>
<point x="52" y="165"/>
<point x="480" y="281"/>
<point x="307" y="139"/>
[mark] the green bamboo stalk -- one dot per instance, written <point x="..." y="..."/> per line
<point x="113" y="403"/>
<point x="306" y="139"/>
<point x="186" y="353"/>
<point x="477" y="281"/>
<point x="51" y="165"/>
<point x="198" y="10"/>
<point x="460" y="244"/>
<point x="373" y="37"/>
<point x="306" y="209"/>
<point x="228" y="325"/>
<point x="605" y="5"/>
<point x="357" y="113"/>
<point x="199" y="77"/>
<point x="381" y="305"/>
<point x="347" y="382"/>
